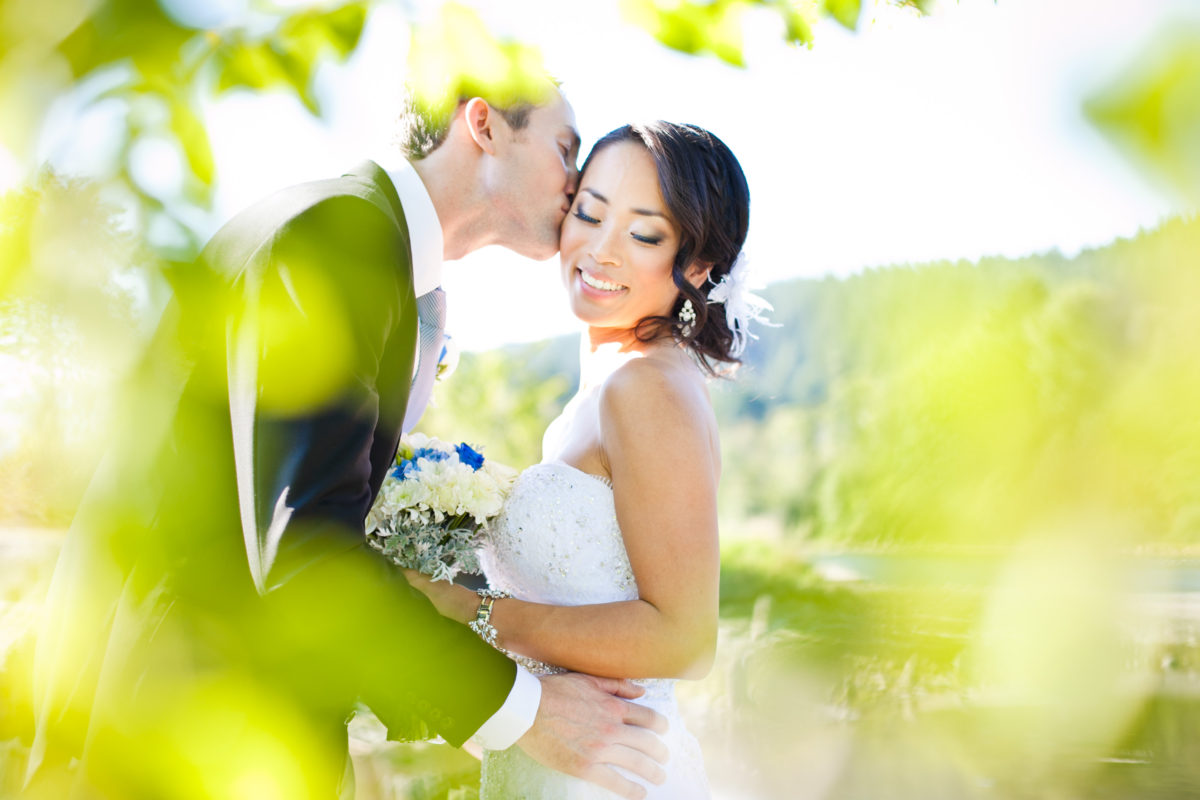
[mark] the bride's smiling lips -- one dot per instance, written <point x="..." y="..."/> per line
<point x="593" y="284"/>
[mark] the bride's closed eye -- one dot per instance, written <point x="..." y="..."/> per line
<point x="583" y="216"/>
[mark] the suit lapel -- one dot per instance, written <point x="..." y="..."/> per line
<point x="377" y="186"/>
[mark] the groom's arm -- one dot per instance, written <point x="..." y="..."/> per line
<point x="515" y="717"/>
<point x="350" y="628"/>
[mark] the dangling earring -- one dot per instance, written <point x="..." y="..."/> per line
<point x="687" y="316"/>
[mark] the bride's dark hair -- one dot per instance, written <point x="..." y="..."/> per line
<point x="706" y="194"/>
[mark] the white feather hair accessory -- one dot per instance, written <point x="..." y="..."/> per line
<point x="741" y="305"/>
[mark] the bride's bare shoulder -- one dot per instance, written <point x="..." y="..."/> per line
<point x="663" y="389"/>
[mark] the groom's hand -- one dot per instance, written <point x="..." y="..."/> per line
<point x="584" y="728"/>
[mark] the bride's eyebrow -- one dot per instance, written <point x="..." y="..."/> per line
<point x="641" y="212"/>
<point x="646" y="212"/>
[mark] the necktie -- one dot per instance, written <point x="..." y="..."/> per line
<point x="431" y="324"/>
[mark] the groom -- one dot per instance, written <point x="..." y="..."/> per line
<point x="309" y="347"/>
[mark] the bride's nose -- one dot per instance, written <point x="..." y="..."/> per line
<point x="605" y="245"/>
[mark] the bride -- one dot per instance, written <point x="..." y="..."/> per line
<point x="605" y="559"/>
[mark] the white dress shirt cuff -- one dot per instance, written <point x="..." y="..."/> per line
<point x="515" y="717"/>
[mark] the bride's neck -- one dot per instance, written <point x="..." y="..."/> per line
<point x="603" y="351"/>
<point x="597" y="362"/>
<point x="621" y="339"/>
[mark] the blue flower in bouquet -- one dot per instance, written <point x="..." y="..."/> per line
<point x="405" y="467"/>
<point x="468" y="456"/>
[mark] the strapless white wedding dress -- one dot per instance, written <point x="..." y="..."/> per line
<point x="557" y="542"/>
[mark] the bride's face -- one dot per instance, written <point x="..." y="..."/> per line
<point x="619" y="242"/>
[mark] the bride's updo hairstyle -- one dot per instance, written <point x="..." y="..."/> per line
<point x="706" y="194"/>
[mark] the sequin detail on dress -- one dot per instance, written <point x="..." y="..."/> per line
<point x="557" y="541"/>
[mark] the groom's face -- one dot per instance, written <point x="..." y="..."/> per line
<point x="535" y="179"/>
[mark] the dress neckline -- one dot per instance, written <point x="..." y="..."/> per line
<point x="578" y="471"/>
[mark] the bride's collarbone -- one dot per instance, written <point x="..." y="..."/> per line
<point x="579" y="442"/>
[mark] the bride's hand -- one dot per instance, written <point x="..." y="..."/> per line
<point x="456" y="602"/>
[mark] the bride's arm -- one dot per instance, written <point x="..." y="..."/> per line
<point x="658" y="441"/>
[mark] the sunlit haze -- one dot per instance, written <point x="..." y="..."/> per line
<point x="953" y="137"/>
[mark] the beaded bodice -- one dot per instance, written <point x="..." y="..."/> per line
<point x="557" y="540"/>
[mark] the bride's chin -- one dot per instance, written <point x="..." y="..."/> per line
<point x="589" y="315"/>
<point x="582" y="315"/>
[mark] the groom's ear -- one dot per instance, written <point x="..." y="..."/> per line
<point x="481" y="120"/>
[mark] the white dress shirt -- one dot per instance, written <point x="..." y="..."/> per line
<point x="516" y="716"/>
<point x="424" y="227"/>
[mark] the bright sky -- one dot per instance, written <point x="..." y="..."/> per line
<point x="953" y="136"/>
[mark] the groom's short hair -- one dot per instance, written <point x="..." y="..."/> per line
<point x="424" y="123"/>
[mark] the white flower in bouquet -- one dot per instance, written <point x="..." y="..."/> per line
<point x="434" y="505"/>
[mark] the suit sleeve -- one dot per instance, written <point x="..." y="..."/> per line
<point x="324" y="319"/>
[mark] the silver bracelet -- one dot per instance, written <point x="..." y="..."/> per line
<point x="482" y="624"/>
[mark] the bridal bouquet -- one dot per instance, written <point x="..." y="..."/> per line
<point x="434" y="505"/>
